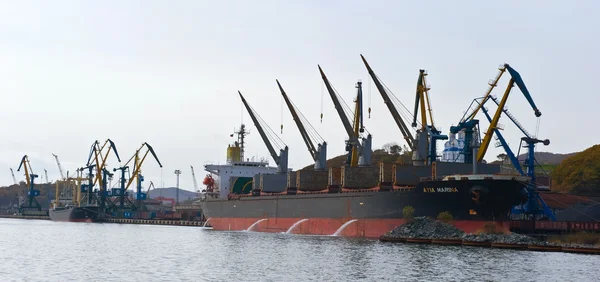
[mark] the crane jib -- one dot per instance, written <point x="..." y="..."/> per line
<point x="519" y="82"/>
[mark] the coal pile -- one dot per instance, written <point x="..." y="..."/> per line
<point x="426" y="228"/>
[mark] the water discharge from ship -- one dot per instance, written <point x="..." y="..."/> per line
<point x="254" y="224"/>
<point x="339" y="231"/>
<point x="206" y="222"/>
<point x="295" y="225"/>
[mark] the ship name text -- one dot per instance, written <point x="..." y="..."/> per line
<point x="440" y="190"/>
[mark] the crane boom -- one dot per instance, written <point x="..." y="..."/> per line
<point x="260" y="130"/>
<point x="494" y="124"/>
<point x="420" y="100"/>
<point x="194" y="178"/>
<point x="515" y="79"/>
<point x="27" y="167"/>
<point x="139" y="161"/>
<point x="60" y="169"/>
<point x="410" y="140"/>
<point x="13" y="176"/>
<point x="338" y="107"/>
<point x="309" y="144"/>
<point x="96" y="152"/>
<point x="492" y="85"/>
<point x="519" y="82"/>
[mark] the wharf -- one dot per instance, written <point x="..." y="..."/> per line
<point x="530" y="247"/>
<point x="155" y="222"/>
<point x="38" y="217"/>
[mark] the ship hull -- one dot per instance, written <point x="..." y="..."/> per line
<point x="374" y="212"/>
<point x="74" y="214"/>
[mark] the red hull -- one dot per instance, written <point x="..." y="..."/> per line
<point x="364" y="228"/>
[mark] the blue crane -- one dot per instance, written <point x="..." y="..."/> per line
<point x="535" y="204"/>
<point x="31" y="202"/>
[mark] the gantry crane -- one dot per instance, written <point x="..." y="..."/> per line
<point x="358" y="154"/>
<point x="194" y="178"/>
<point x="515" y="79"/>
<point x="31" y="202"/>
<point x="427" y="126"/>
<point x="97" y="159"/>
<point x="535" y="205"/>
<point x="318" y="154"/>
<point x="150" y="188"/>
<point x="60" y="169"/>
<point x="13" y="176"/>
<point x="282" y="159"/>
<point x="136" y="174"/>
<point x="424" y="149"/>
<point x="468" y="122"/>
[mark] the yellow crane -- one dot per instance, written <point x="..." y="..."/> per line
<point x="515" y="79"/>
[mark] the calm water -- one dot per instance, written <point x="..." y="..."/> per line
<point x="32" y="250"/>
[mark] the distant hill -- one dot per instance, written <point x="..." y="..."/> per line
<point x="547" y="158"/>
<point x="378" y="156"/>
<point x="171" y="192"/>
<point x="579" y="174"/>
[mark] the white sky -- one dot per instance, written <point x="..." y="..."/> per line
<point x="167" y="73"/>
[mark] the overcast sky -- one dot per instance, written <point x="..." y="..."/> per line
<point x="167" y="73"/>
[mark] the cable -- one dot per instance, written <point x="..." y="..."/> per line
<point x="322" y="83"/>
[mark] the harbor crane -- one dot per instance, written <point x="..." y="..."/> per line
<point x="96" y="152"/>
<point x="46" y="174"/>
<point x="468" y="122"/>
<point x="137" y="160"/>
<point x="427" y="127"/>
<point x="30" y="202"/>
<point x="534" y="205"/>
<point x="359" y="154"/>
<point x="423" y="144"/>
<point x="97" y="159"/>
<point x="318" y="154"/>
<point x="515" y="79"/>
<point x="282" y="159"/>
<point x="13" y="176"/>
<point x="194" y="178"/>
<point x="60" y="169"/>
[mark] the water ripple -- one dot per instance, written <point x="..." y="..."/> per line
<point x="34" y="250"/>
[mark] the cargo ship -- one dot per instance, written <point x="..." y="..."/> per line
<point x="241" y="203"/>
<point x="74" y="214"/>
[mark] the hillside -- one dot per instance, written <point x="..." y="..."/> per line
<point x="9" y="194"/>
<point x="171" y="192"/>
<point x="579" y="174"/>
<point x="547" y="158"/>
<point x="378" y="156"/>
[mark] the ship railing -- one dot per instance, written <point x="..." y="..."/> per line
<point x="345" y="190"/>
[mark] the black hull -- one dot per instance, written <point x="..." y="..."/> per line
<point x="75" y="214"/>
<point x="483" y="199"/>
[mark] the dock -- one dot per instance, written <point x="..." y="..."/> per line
<point x="38" y="217"/>
<point x="194" y="223"/>
<point x="459" y="242"/>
